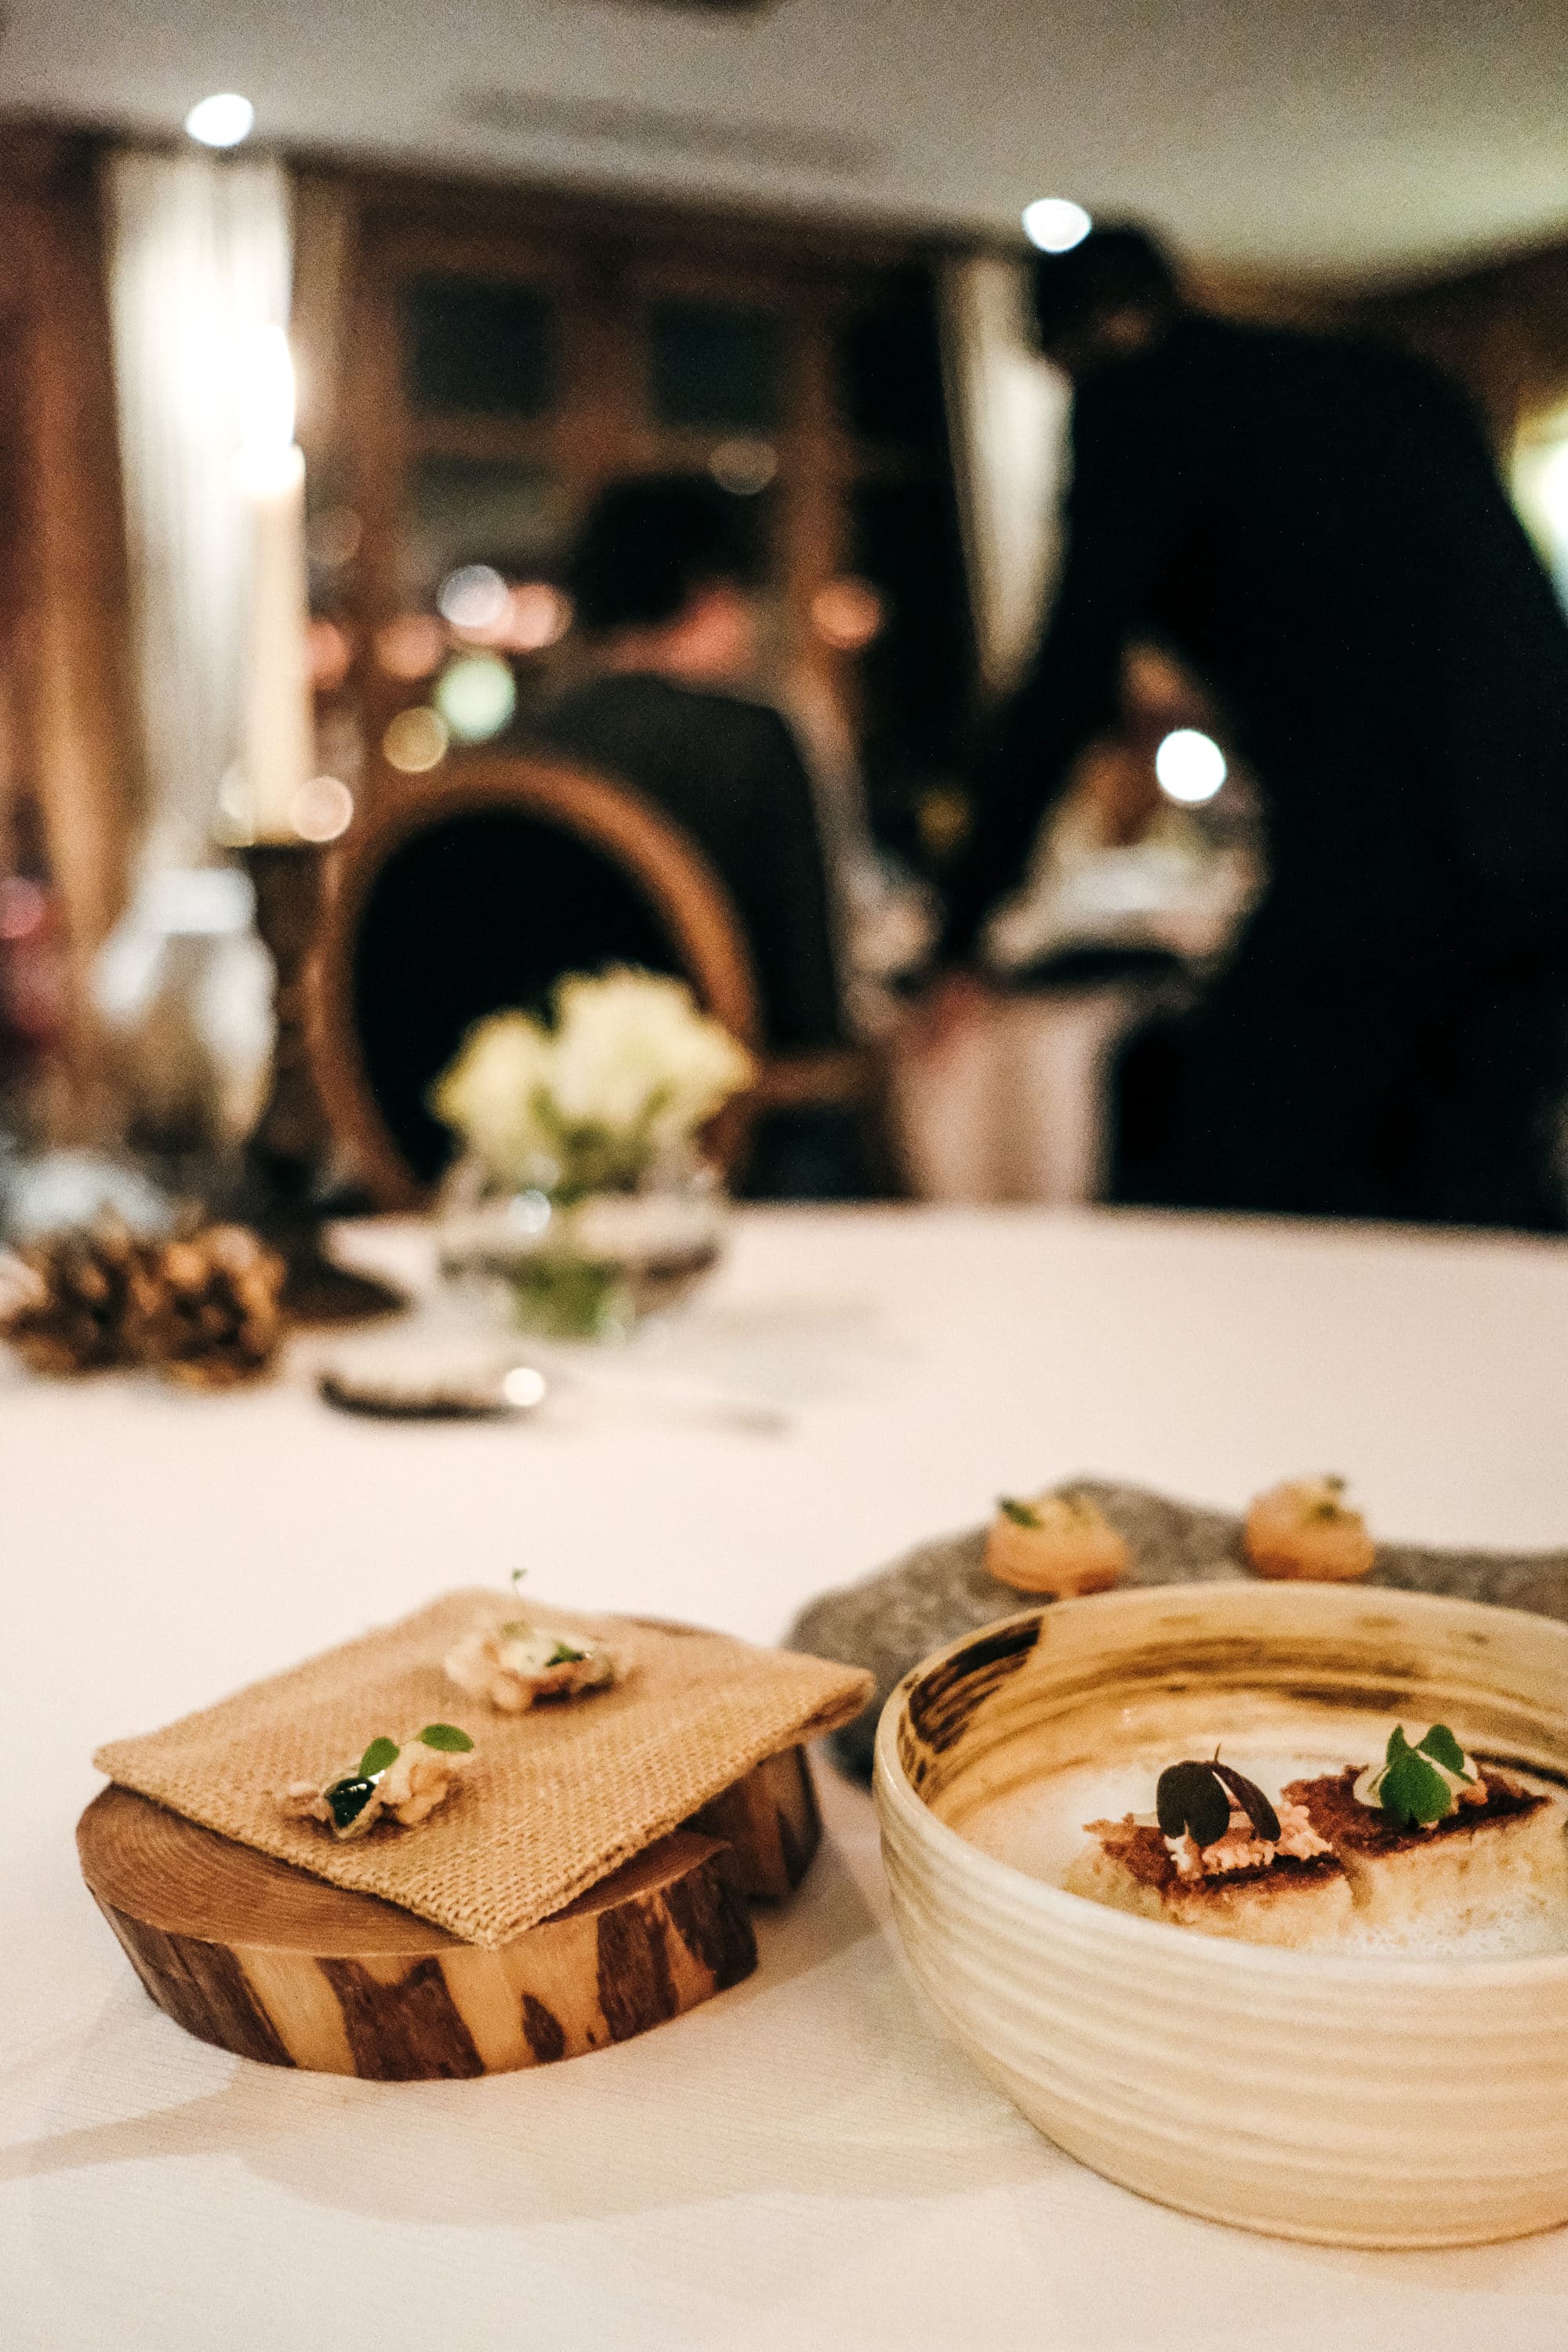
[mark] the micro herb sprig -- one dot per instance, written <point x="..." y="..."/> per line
<point x="516" y="1628"/>
<point x="1411" y="1788"/>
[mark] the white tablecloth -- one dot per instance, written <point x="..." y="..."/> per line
<point x="804" y="2162"/>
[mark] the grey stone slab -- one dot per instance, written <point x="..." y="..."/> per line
<point x="941" y="1590"/>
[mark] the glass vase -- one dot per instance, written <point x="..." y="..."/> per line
<point x="570" y="1265"/>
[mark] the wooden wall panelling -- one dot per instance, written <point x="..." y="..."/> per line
<point x="326" y="233"/>
<point x="1501" y="330"/>
<point x="373" y="412"/>
<point x="604" y="274"/>
<point x="1500" y="327"/>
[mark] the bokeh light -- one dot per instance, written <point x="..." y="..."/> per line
<point x="328" y="653"/>
<point x="474" y="597"/>
<point x="523" y="1386"/>
<point x="1055" y="224"/>
<point x="1189" y="766"/>
<point x="412" y="647"/>
<point x="322" y="809"/>
<point x="333" y="537"/>
<point x="744" y="468"/>
<point x="222" y="120"/>
<point x="416" y="740"/>
<point x="23" y="906"/>
<point x="941" y="819"/>
<point x="846" y="614"/>
<point x="475" y="696"/>
<point x="537" y="615"/>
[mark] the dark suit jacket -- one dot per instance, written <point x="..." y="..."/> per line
<point x="1317" y="528"/>
<point x="728" y="772"/>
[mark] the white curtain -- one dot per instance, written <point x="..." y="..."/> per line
<point x="1009" y="418"/>
<point x="200" y="262"/>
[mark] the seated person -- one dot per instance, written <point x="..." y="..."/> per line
<point x="662" y="579"/>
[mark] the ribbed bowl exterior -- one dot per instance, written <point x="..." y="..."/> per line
<point x="1368" y="2102"/>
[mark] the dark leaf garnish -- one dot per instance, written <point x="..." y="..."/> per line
<point x="446" y="1736"/>
<point x="377" y="1757"/>
<point x="1251" y="1800"/>
<point x="563" y="1654"/>
<point x="1023" y="1515"/>
<point x="346" y="1800"/>
<point x="1191" y="1796"/>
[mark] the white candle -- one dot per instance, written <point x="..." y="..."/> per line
<point x="277" y="740"/>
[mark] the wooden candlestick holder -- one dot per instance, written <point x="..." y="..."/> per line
<point x="291" y="1139"/>
<point x="291" y="1142"/>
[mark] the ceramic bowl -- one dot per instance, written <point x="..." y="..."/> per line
<point x="1372" y="2101"/>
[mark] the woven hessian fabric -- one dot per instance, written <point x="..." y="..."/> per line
<point x="554" y="1799"/>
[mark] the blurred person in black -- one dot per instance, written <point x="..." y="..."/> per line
<point x="663" y="579"/>
<point x="1317" y="528"/>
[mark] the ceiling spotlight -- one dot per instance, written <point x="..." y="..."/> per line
<point x="1056" y="224"/>
<point x="1190" y="767"/>
<point x="221" y="120"/>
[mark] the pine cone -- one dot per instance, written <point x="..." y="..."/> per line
<point x="76" y="1301"/>
<point x="204" y="1309"/>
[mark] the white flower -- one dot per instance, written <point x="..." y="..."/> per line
<point x="631" y="1070"/>
<point x="634" y="1056"/>
<point x="490" y="1095"/>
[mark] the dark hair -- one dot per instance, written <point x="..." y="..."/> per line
<point x="651" y="543"/>
<point x="1114" y="269"/>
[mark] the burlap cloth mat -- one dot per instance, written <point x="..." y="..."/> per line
<point x="942" y="1590"/>
<point x="555" y="1800"/>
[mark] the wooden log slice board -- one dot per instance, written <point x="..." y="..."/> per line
<point x="267" y="1961"/>
<point x="770" y="1824"/>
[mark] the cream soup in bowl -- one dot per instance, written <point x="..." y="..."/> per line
<point x="1362" y="2088"/>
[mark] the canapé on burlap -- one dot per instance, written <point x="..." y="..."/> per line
<point x="554" y="1799"/>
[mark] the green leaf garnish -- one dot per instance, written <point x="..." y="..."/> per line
<point x="1333" y="1508"/>
<point x="447" y="1737"/>
<point x="1412" y="1790"/>
<point x="563" y="1654"/>
<point x="376" y="1758"/>
<point x="1444" y="1748"/>
<point x="1023" y="1515"/>
<point x="517" y="1576"/>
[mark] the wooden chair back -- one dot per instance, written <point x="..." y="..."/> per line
<point x="474" y="894"/>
